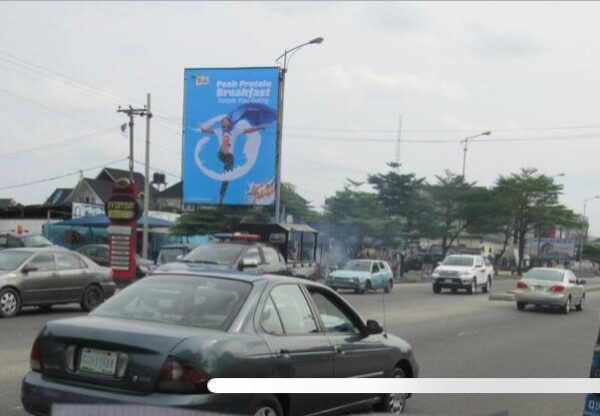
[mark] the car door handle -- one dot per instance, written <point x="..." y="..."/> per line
<point x="285" y="352"/>
<point x="339" y="349"/>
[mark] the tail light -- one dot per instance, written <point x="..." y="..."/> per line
<point x="35" y="359"/>
<point x="522" y="285"/>
<point x="179" y="376"/>
<point x="557" y="289"/>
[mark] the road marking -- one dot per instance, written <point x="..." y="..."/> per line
<point x="400" y="385"/>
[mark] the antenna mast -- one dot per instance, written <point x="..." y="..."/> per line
<point x="398" y="143"/>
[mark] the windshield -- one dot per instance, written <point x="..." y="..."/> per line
<point x="201" y="302"/>
<point x="547" y="275"/>
<point x="168" y="255"/>
<point x="222" y="254"/>
<point x="36" y="241"/>
<point x="358" y="266"/>
<point x="458" y="261"/>
<point x="10" y="260"/>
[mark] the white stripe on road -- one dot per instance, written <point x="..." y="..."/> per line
<point x="412" y="385"/>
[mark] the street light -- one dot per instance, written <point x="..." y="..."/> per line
<point x="584" y="234"/>
<point x="466" y="142"/>
<point x="284" y="55"/>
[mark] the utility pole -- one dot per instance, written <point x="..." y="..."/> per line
<point x="146" y="181"/>
<point x="131" y="112"/>
<point x="398" y="144"/>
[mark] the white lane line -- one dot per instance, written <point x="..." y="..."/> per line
<point x="413" y="385"/>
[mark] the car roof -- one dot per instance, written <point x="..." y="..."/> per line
<point x="37" y="249"/>
<point x="179" y="245"/>
<point x="202" y="271"/>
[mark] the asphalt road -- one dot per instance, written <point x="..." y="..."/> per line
<point x="453" y="335"/>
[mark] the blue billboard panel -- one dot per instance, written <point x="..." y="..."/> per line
<point x="230" y="136"/>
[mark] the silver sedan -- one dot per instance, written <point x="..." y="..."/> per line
<point x="551" y="287"/>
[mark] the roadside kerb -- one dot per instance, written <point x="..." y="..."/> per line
<point x="509" y="296"/>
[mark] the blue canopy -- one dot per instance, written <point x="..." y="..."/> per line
<point x="103" y="221"/>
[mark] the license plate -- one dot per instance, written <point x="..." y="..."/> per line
<point x="539" y="288"/>
<point x="98" y="361"/>
<point x="592" y="405"/>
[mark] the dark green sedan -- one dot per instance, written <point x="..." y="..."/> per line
<point x="160" y="340"/>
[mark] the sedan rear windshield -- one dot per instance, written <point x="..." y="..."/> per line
<point x="10" y="260"/>
<point x="222" y="254"/>
<point x="36" y="241"/>
<point x="197" y="301"/>
<point x="458" y="261"/>
<point x="549" y="275"/>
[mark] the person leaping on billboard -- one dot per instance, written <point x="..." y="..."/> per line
<point x="256" y="117"/>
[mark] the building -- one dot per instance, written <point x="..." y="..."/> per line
<point x="7" y="203"/>
<point x="171" y="198"/>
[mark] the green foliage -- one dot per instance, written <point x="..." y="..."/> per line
<point x="297" y="206"/>
<point x="591" y="252"/>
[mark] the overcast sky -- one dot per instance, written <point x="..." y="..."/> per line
<point x="522" y="70"/>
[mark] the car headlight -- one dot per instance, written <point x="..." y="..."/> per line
<point x="435" y="275"/>
<point x="466" y="274"/>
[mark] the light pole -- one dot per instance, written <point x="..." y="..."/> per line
<point x="284" y="55"/>
<point x="466" y="143"/>
<point x="584" y="233"/>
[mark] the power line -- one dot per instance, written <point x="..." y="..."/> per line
<point x="323" y="129"/>
<point x="66" y="175"/>
<point x="166" y="172"/>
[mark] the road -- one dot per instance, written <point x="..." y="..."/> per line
<point x="453" y="335"/>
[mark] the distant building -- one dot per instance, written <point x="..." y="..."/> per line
<point x="172" y="197"/>
<point x="98" y="190"/>
<point x="7" y="203"/>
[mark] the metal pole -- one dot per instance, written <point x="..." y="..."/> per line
<point x="130" y="113"/>
<point x="582" y="236"/>
<point x="146" y="181"/>
<point x="280" y="140"/>
<point x="464" y="158"/>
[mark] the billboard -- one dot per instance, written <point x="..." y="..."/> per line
<point x="230" y="136"/>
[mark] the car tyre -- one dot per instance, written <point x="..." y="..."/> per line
<point x="268" y="408"/>
<point x="396" y="402"/>
<point x="367" y="287"/>
<point x="566" y="308"/>
<point x="473" y="288"/>
<point x="454" y="290"/>
<point x="581" y="304"/>
<point x="521" y="306"/>
<point x="10" y="303"/>
<point x="487" y="286"/>
<point x="92" y="298"/>
<point x="388" y="287"/>
<point x="436" y="288"/>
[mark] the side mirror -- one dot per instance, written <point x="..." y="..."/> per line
<point x="374" y="327"/>
<point x="27" y="268"/>
<point x="581" y="282"/>
<point x="438" y="263"/>
<point x="249" y="263"/>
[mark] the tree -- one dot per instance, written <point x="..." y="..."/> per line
<point x="296" y="205"/>
<point x="534" y="205"/>
<point x="450" y="201"/>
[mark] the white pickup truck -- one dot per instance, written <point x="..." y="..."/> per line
<point x="462" y="271"/>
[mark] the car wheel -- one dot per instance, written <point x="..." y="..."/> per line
<point x="10" y="303"/>
<point x="454" y="290"/>
<point x="567" y="306"/>
<point x="92" y="297"/>
<point x="367" y="287"/>
<point x="581" y="304"/>
<point x="388" y="287"/>
<point x="393" y="403"/>
<point x="473" y="288"/>
<point x="487" y="286"/>
<point x="521" y="306"/>
<point x="268" y="408"/>
<point x="437" y="289"/>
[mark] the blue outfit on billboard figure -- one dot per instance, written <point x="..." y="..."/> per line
<point x="255" y="114"/>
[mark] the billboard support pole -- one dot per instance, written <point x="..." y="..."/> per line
<point x="280" y="140"/>
<point x="146" y="181"/>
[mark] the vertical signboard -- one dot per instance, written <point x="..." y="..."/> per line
<point x="123" y="211"/>
<point x="230" y="136"/>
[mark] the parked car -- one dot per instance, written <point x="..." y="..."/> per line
<point x="100" y="254"/>
<point x="48" y="276"/>
<point x="160" y="340"/>
<point x="551" y="287"/>
<point x="592" y="400"/>
<point x="173" y="252"/>
<point x="462" y="271"/>
<point x="243" y="252"/>
<point x="362" y="276"/>
<point x="17" y="240"/>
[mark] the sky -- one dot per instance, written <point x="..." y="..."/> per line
<point x="528" y="72"/>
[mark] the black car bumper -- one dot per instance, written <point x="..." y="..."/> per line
<point x="452" y="283"/>
<point x="39" y="393"/>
